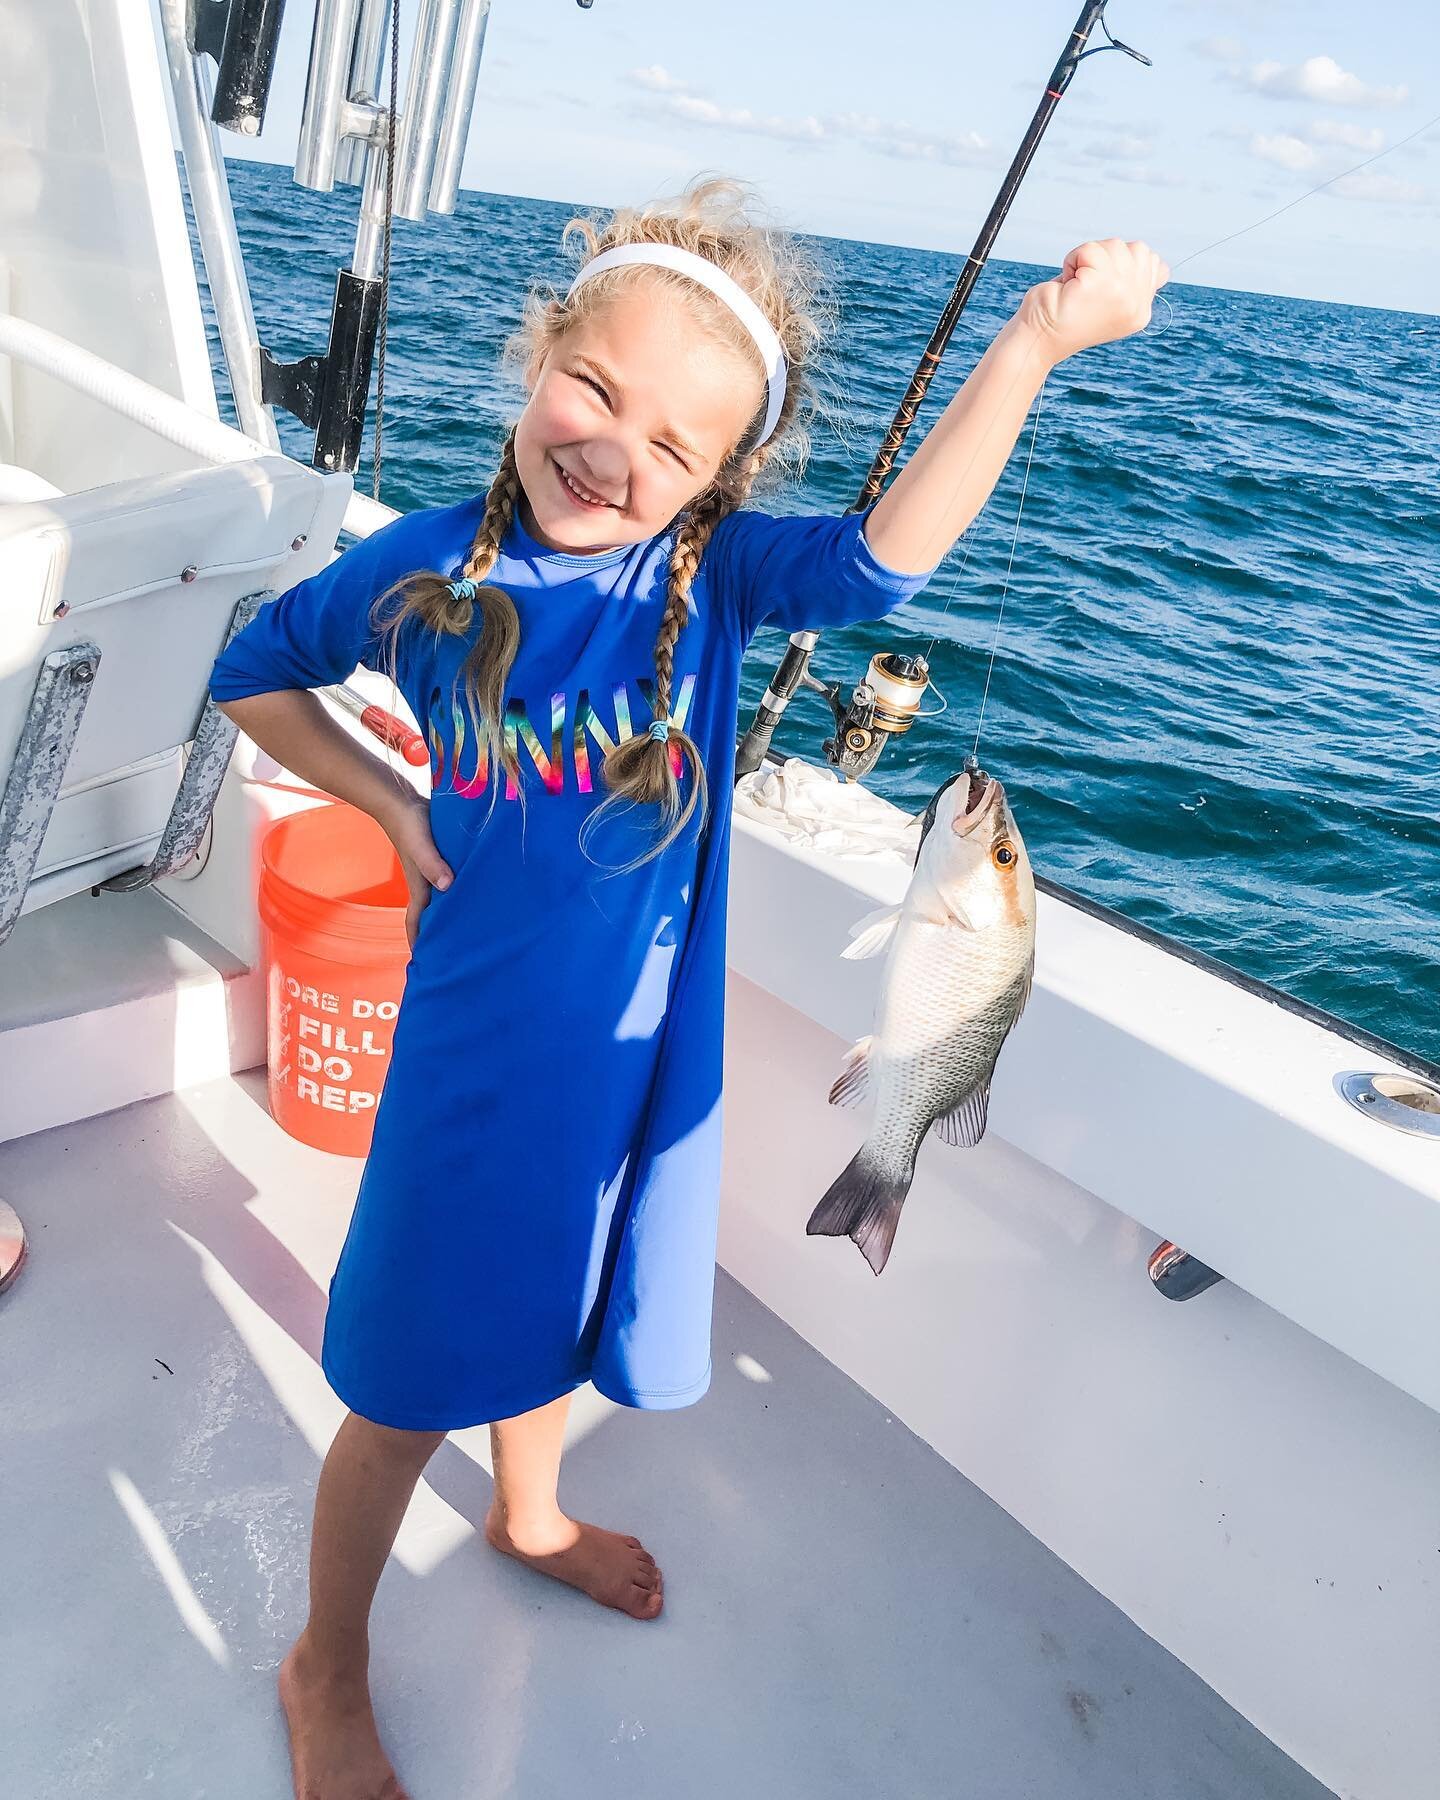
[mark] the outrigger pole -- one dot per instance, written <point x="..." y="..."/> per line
<point x="861" y="735"/>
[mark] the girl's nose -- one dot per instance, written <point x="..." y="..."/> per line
<point x="607" y="461"/>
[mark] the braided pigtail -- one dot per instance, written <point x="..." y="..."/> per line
<point x="647" y="767"/>
<point x="447" y="606"/>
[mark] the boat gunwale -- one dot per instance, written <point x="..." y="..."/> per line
<point x="1409" y="1060"/>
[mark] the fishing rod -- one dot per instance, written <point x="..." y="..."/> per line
<point x="887" y="701"/>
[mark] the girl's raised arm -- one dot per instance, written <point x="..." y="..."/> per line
<point x="1104" y="291"/>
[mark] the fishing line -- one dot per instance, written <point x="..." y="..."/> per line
<point x="970" y="538"/>
<point x="1319" y="187"/>
<point x="1014" y="540"/>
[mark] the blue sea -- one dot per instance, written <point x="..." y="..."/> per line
<point x="1214" y="702"/>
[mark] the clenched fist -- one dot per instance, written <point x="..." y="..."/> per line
<point x="1103" y="292"/>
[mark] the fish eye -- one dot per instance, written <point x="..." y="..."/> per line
<point x="1003" y="855"/>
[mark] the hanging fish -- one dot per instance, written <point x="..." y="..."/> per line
<point x="961" y="957"/>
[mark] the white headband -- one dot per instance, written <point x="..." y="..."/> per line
<point x="667" y="256"/>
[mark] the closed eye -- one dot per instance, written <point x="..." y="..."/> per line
<point x="670" y="448"/>
<point x="590" y="382"/>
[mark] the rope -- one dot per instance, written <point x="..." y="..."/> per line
<point x="385" y="251"/>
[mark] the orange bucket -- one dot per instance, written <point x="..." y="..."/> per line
<point x="334" y="950"/>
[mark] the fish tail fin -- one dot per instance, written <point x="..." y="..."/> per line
<point x="864" y="1203"/>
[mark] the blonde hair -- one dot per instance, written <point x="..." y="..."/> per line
<point x="710" y="219"/>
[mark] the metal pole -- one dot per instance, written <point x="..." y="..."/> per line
<point x="366" y="67"/>
<point x="370" y="228"/>
<point x="793" y="666"/>
<point x="430" y="57"/>
<point x="326" y="92"/>
<point x="459" y="104"/>
<point x="215" y="225"/>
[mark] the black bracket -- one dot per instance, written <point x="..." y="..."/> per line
<point x="329" y="393"/>
<point x="242" y="36"/>
<point x="293" y="385"/>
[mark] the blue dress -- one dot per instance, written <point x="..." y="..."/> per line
<point x="538" y="1206"/>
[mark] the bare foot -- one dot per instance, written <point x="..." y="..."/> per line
<point x="617" y="1571"/>
<point x="335" y="1751"/>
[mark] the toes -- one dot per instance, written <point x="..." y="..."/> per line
<point x="644" y="1602"/>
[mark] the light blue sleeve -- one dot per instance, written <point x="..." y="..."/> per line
<point x="317" y="632"/>
<point x="799" y="573"/>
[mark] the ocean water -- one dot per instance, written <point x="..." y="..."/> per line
<point x="1214" y="701"/>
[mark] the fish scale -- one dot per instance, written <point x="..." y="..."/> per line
<point x="946" y="1009"/>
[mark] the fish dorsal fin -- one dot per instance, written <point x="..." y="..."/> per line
<point x="965" y="1124"/>
<point x="870" y="935"/>
<point x="854" y="1079"/>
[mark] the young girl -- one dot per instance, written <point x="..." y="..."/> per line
<point x="538" y="1207"/>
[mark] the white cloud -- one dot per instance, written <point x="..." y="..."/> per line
<point x="1288" y="152"/>
<point x="907" y="141"/>
<point x="700" y="111"/>
<point x="1349" y="137"/>
<point x="659" y="81"/>
<point x="1387" y="190"/>
<point x="679" y="99"/>
<point x="1320" y="78"/>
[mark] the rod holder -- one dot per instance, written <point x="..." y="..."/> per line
<point x="425" y="90"/>
<point x="367" y="75"/>
<point x="332" y="51"/>
<point x="459" y="104"/>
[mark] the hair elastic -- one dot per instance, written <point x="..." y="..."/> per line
<point x="700" y="269"/>
<point x="464" y="588"/>
<point x="660" y="730"/>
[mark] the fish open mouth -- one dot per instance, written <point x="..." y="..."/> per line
<point x="982" y="793"/>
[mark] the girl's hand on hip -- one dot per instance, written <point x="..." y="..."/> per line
<point x="407" y="825"/>
<point x="1103" y="292"/>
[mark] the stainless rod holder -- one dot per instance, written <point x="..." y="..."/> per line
<point x="430" y="59"/>
<point x="367" y="79"/>
<point x="327" y="85"/>
<point x="459" y="104"/>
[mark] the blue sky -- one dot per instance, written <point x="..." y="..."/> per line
<point x="895" y="122"/>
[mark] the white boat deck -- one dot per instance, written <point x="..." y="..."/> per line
<point x="846" y="1615"/>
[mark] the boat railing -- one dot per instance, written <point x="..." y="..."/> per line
<point x="155" y="410"/>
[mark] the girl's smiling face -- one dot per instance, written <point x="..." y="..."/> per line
<point x="631" y="414"/>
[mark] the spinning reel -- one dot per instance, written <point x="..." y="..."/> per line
<point x="884" y="705"/>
